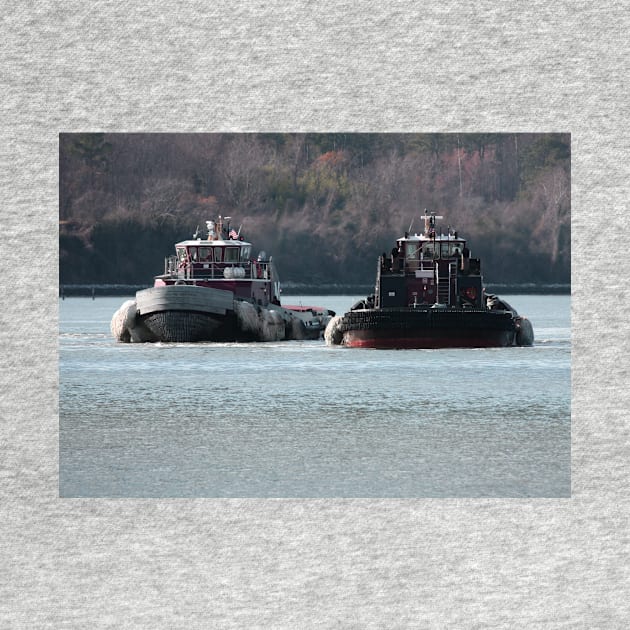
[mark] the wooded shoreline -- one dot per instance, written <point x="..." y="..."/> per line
<point x="105" y="290"/>
<point x="324" y="205"/>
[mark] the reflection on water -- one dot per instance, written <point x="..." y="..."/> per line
<point x="300" y="419"/>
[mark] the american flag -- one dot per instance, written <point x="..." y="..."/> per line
<point x="233" y="234"/>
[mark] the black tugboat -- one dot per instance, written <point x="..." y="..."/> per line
<point x="213" y="290"/>
<point x="429" y="294"/>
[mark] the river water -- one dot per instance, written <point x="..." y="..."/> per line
<point x="301" y="419"/>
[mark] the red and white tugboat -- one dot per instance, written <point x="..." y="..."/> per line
<point x="429" y="294"/>
<point x="213" y="290"/>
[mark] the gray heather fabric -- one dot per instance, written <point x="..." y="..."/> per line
<point x="261" y="66"/>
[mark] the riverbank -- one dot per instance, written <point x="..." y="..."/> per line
<point x="290" y="288"/>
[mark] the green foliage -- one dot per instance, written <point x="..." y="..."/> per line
<point x="544" y="152"/>
<point x="436" y="144"/>
<point x="72" y="259"/>
<point x="129" y="252"/>
<point x="476" y="142"/>
<point x="92" y="149"/>
<point x="325" y="183"/>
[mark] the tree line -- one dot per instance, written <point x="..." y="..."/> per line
<point x="325" y="205"/>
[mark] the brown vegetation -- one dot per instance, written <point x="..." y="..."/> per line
<point x="325" y="205"/>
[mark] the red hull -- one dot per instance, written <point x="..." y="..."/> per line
<point x="392" y="339"/>
<point x="428" y="328"/>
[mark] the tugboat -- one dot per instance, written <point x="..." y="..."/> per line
<point x="429" y="293"/>
<point x="213" y="290"/>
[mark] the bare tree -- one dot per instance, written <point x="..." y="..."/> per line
<point x="242" y="171"/>
<point x="553" y="195"/>
<point x="161" y="198"/>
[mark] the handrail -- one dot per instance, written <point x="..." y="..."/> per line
<point x="200" y="270"/>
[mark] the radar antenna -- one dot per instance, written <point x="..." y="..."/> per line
<point x="429" y="221"/>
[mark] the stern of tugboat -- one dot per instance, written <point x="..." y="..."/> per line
<point x="427" y="328"/>
<point x="185" y="313"/>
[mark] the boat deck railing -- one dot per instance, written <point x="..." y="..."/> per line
<point x="416" y="265"/>
<point x="206" y="270"/>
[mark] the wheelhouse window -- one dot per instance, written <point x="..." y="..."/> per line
<point x="412" y="250"/>
<point x="218" y="254"/>
<point x="192" y="252"/>
<point x="231" y="254"/>
<point x="245" y="252"/>
<point x="429" y="248"/>
<point x="181" y="254"/>
<point x="450" y="249"/>
<point x="205" y="254"/>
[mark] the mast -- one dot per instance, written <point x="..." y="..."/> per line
<point x="429" y="223"/>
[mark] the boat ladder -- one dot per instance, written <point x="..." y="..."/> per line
<point x="444" y="284"/>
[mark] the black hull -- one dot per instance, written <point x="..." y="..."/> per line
<point x="186" y="327"/>
<point x="187" y="313"/>
<point x="428" y="328"/>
